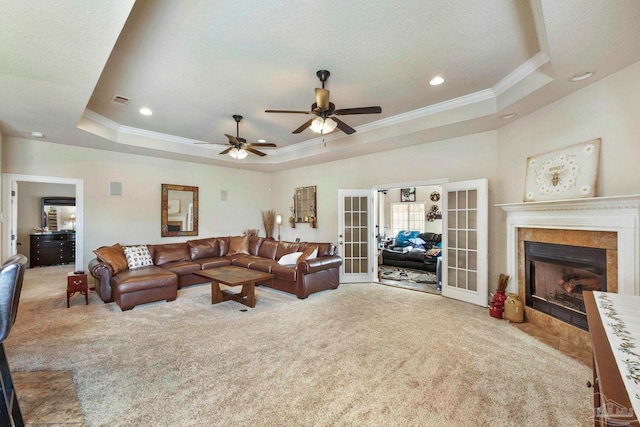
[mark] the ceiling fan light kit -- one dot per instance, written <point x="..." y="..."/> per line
<point x="323" y="126"/>
<point x="238" y="154"/>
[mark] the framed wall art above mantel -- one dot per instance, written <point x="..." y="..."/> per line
<point x="568" y="173"/>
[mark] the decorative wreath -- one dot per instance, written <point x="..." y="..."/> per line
<point x="434" y="213"/>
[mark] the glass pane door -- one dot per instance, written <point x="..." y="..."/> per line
<point x="466" y="241"/>
<point x="354" y="237"/>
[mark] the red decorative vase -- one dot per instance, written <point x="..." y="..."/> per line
<point x="496" y="311"/>
<point x="499" y="298"/>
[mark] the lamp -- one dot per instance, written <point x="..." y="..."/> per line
<point x="323" y="126"/>
<point x="72" y="217"/>
<point x="238" y="154"/>
<point x="279" y="222"/>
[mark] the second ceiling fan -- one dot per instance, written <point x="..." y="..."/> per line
<point x="325" y="111"/>
<point x="239" y="146"/>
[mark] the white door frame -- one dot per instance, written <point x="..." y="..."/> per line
<point x="9" y="213"/>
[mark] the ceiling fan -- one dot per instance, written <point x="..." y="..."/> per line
<point x="239" y="146"/>
<point x="325" y="111"/>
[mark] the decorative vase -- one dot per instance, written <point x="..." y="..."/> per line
<point x="495" y="311"/>
<point x="499" y="298"/>
<point x="513" y="309"/>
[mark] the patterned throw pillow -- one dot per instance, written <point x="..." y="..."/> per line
<point x="137" y="256"/>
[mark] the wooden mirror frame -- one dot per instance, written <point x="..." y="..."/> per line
<point x="304" y="205"/>
<point x="165" y="210"/>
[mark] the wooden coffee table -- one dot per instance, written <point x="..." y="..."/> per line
<point x="234" y="276"/>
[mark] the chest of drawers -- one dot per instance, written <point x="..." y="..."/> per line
<point x="52" y="249"/>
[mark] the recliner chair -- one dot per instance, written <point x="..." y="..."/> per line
<point x="11" y="276"/>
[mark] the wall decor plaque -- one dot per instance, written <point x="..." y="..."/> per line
<point x="568" y="173"/>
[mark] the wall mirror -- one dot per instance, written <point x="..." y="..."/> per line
<point x="58" y="213"/>
<point x="304" y="205"/>
<point x="179" y="210"/>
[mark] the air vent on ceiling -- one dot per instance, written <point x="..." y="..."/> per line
<point x="122" y="100"/>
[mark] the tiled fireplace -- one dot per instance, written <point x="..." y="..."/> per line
<point x="568" y="247"/>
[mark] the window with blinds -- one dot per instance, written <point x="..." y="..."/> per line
<point x="407" y="217"/>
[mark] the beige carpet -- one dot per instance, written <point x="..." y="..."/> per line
<point x="359" y="355"/>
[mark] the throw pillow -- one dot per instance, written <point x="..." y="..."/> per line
<point x="288" y="259"/>
<point x="137" y="256"/>
<point x="310" y="253"/>
<point x="112" y="255"/>
<point x="434" y="252"/>
<point x="238" y="245"/>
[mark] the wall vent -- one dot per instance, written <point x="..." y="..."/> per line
<point x="119" y="99"/>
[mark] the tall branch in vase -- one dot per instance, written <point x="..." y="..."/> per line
<point x="269" y="221"/>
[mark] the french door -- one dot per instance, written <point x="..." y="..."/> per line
<point x="355" y="216"/>
<point x="465" y="240"/>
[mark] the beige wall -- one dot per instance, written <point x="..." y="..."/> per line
<point x="459" y="159"/>
<point x="608" y="109"/>
<point x="134" y="217"/>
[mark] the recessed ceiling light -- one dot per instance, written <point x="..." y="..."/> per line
<point x="437" y="80"/>
<point x="583" y="75"/>
<point x="508" y="116"/>
<point x="37" y="134"/>
<point x="262" y="140"/>
<point x="145" y="111"/>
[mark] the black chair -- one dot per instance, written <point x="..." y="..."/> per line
<point x="11" y="275"/>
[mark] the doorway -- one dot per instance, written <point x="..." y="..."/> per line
<point x="14" y="223"/>
<point x="464" y="252"/>
<point x="409" y="237"/>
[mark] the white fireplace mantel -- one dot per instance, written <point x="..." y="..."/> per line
<point x="619" y="214"/>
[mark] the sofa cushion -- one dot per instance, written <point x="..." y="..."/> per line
<point x="148" y="277"/>
<point x="213" y="262"/>
<point x="264" y="265"/>
<point x="286" y="248"/>
<point x="282" y="272"/>
<point x="170" y="252"/>
<point x="203" y="248"/>
<point x="268" y="249"/>
<point x="245" y="260"/>
<point x="137" y="256"/>
<point x="254" y="244"/>
<point x="326" y="249"/>
<point x="182" y="268"/>
<point x="223" y="244"/>
<point x="238" y="245"/>
<point x="114" y="256"/>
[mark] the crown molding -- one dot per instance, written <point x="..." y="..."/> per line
<point x="165" y="137"/>
<point x="541" y="29"/>
<point x="521" y="73"/>
<point x="101" y="120"/>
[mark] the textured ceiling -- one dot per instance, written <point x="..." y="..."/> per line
<point x="196" y="63"/>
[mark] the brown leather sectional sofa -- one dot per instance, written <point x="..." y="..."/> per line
<point x="174" y="264"/>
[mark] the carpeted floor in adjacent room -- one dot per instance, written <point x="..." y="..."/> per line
<point x="360" y="355"/>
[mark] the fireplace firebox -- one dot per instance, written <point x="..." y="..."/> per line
<point x="557" y="275"/>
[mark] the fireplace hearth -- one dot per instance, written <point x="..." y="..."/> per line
<point x="557" y="275"/>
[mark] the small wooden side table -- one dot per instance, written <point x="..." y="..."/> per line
<point x="77" y="283"/>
